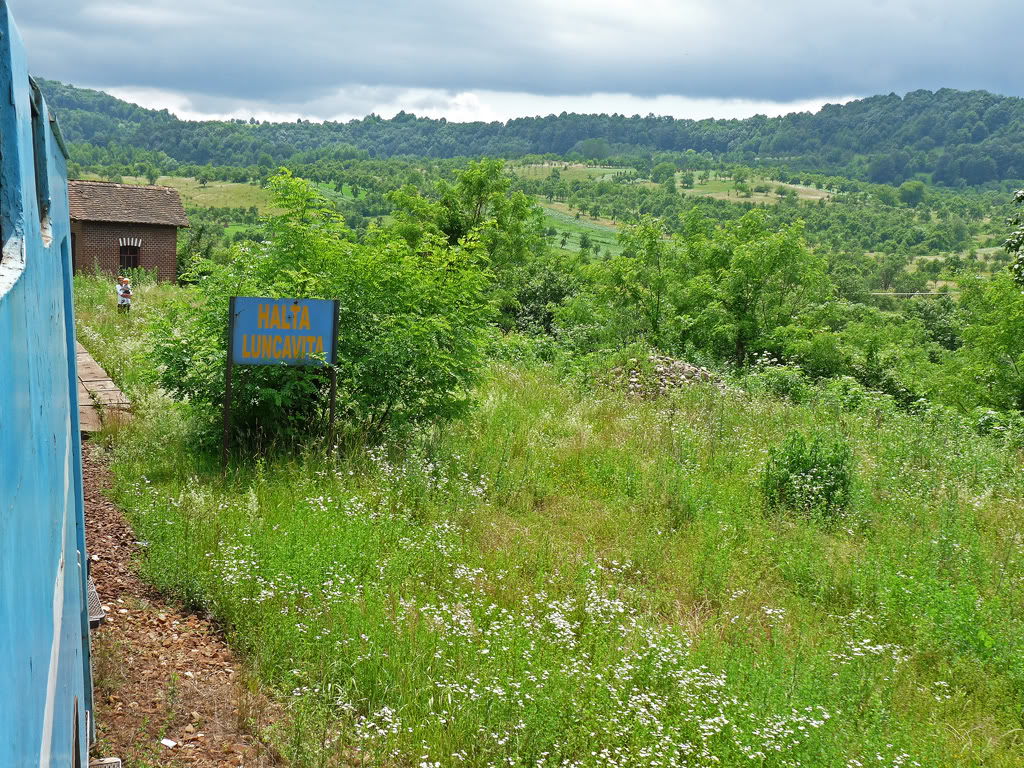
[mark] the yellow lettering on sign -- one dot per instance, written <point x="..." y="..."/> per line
<point x="263" y="316"/>
<point x="275" y="317"/>
<point x="284" y="317"/>
<point x="319" y="345"/>
<point x="277" y="345"/>
<point x="265" y="350"/>
<point x="245" y="345"/>
<point x="304" y="319"/>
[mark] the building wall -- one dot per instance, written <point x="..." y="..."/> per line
<point x="99" y="244"/>
<point x="45" y="679"/>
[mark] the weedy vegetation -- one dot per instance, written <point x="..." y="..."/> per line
<point x="816" y="559"/>
<point x="809" y="476"/>
<point x="568" y="576"/>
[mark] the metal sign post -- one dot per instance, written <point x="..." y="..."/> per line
<point x="227" y="386"/>
<point x="334" y="375"/>
<point x="294" y="332"/>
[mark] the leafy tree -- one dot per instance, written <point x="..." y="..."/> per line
<point x="637" y="281"/>
<point x="886" y="195"/>
<point x="663" y="171"/>
<point x="747" y="281"/>
<point x="1015" y="243"/>
<point x="196" y="246"/>
<point x="585" y="242"/>
<point x="411" y="327"/>
<point x="911" y="193"/>
<point x="595" y="149"/>
<point x="990" y="364"/>
<point x="888" y="268"/>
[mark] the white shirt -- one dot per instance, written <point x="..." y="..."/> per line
<point x="123" y="294"/>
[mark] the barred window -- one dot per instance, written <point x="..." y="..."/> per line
<point x="129" y="257"/>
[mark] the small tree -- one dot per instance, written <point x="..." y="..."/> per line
<point x="638" y="280"/>
<point x="585" y="243"/>
<point x="662" y="171"/>
<point x="746" y="281"/>
<point x="911" y="193"/>
<point x="411" y="326"/>
<point x="1015" y="242"/>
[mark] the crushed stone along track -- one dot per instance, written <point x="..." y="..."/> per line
<point x="159" y="672"/>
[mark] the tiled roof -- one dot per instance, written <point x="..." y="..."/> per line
<point x="103" y="201"/>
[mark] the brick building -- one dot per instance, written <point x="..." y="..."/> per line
<point x="121" y="226"/>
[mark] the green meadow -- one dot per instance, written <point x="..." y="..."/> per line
<point x="569" y="171"/>
<point x="572" y="575"/>
<point x="602" y="233"/>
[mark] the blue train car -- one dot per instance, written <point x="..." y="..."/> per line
<point x="45" y="678"/>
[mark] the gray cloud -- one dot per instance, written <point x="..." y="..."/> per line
<point x="303" y="54"/>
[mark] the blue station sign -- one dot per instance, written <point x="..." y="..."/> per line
<point x="283" y="331"/>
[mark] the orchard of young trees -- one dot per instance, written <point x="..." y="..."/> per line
<point x="799" y="259"/>
<point x="723" y="283"/>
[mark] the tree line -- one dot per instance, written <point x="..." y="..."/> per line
<point x="952" y="137"/>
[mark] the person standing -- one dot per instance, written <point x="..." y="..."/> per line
<point x="124" y="295"/>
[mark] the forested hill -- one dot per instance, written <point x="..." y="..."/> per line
<point x="958" y="137"/>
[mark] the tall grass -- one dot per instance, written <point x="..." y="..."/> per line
<point x="572" y="577"/>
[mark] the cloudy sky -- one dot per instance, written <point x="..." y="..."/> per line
<point x="480" y="60"/>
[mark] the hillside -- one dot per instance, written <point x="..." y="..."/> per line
<point x="956" y="137"/>
<point x="570" y="571"/>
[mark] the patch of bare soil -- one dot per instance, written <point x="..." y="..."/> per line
<point x="161" y="673"/>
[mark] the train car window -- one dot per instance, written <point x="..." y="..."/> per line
<point x="39" y="125"/>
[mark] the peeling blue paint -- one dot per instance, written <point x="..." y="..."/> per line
<point x="45" y="678"/>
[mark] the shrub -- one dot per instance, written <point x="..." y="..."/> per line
<point x="781" y="381"/>
<point x="845" y="393"/>
<point x="411" y="329"/>
<point x="521" y="348"/>
<point x="810" y="477"/>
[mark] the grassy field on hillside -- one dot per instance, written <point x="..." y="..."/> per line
<point x="216" y="194"/>
<point x="569" y="171"/>
<point x="574" y="576"/>
<point x="723" y="189"/>
<point x="602" y="232"/>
